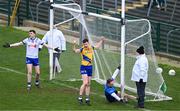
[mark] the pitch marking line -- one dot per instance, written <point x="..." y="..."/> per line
<point x="62" y="84"/>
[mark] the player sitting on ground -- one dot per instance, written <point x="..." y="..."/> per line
<point x="112" y="95"/>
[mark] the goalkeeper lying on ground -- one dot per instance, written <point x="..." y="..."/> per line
<point x="111" y="93"/>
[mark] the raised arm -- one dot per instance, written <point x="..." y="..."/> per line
<point x="16" y="44"/>
<point x="74" y="47"/>
<point x="7" y="45"/>
<point x="98" y="45"/>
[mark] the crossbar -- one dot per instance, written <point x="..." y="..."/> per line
<point x="85" y="13"/>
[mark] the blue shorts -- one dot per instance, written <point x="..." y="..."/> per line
<point x="33" y="61"/>
<point x="86" y="70"/>
<point x="109" y="97"/>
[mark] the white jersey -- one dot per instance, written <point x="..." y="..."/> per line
<point x="140" y="69"/>
<point x="32" y="47"/>
<point x="58" y="39"/>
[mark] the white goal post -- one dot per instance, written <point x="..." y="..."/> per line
<point x="96" y="15"/>
<point x="123" y="42"/>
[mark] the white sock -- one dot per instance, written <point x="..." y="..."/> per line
<point x="116" y="96"/>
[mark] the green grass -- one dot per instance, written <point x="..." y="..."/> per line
<point x="58" y="94"/>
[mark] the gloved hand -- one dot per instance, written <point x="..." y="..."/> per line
<point x="40" y="49"/>
<point x="57" y="49"/>
<point x="7" y="45"/>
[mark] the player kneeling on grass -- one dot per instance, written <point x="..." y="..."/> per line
<point x="86" y="68"/>
<point x="32" y="49"/>
<point x="112" y="95"/>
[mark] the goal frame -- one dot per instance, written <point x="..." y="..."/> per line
<point x="122" y="20"/>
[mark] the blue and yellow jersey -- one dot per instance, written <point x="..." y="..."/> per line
<point x="87" y="55"/>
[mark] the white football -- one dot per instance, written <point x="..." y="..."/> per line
<point x="172" y="72"/>
<point x="159" y="70"/>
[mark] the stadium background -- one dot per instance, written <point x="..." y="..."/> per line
<point x="162" y="23"/>
<point x="165" y="23"/>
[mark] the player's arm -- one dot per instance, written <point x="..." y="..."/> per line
<point x="49" y="47"/>
<point x="113" y="94"/>
<point x="42" y="42"/>
<point x="74" y="48"/>
<point x="8" y="45"/>
<point x="116" y="96"/>
<point x="98" y="45"/>
<point x="116" y="72"/>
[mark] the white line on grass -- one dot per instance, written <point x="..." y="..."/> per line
<point x="55" y="82"/>
<point x="62" y="84"/>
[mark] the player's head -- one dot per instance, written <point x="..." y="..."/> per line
<point x="32" y="33"/>
<point x="110" y="82"/>
<point x="140" y="50"/>
<point x="85" y="43"/>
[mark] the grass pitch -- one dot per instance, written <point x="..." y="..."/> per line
<point x="58" y="94"/>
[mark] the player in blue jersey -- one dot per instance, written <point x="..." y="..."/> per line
<point x="32" y="49"/>
<point x="112" y="95"/>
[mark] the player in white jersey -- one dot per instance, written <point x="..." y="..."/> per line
<point x="57" y="41"/>
<point x="32" y="49"/>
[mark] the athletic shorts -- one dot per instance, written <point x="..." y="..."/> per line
<point x="86" y="70"/>
<point x="33" y="61"/>
<point x="109" y="97"/>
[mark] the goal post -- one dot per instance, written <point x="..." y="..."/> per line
<point x="119" y="48"/>
<point x="123" y="30"/>
<point x="51" y="24"/>
<point x="122" y="20"/>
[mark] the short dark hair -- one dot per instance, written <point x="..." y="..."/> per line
<point x="109" y="81"/>
<point x="32" y="31"/>
<point x="140" y="50"/>
<point x="85" y="40"/>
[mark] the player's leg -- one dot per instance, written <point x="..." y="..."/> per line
<point x="29" y="72"/>
<point x="83" y="87"/>
<point x="88" y="90"/>
<point x="37" y="79"/>
<point x="88" y="85"/>
<point x="84" y="84"/>
<point x="29" y="75"/>
<point x="130" y="97"/>
<point x="37" y="71"/>
<point x="89" y="73"/>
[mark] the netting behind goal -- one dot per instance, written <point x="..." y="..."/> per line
<point x="107" y="58"/>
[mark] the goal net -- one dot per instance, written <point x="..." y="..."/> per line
<point x="107" y="58"/>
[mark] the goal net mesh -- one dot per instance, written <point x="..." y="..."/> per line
<point x="107" y="58"/>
